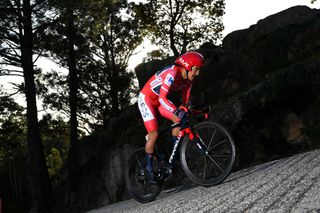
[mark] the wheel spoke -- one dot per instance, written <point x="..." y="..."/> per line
<point x="215" y="163"/>
<point x="194" y="166"/>
<point x="141" y="189"/>
<point x="139" y="162"/>
<point x="220" y="156"/>
<point x="222" y="142"/>
<point x="214" y="133"/>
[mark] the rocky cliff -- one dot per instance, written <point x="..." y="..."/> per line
<point x="263" y="84"/>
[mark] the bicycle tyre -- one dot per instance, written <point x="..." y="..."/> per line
<point x="136" y="182"/>
<point x="224" y="150"/>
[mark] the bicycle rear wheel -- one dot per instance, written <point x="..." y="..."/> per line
<point x="215" y="165"/>
<point x="136" y="181"/>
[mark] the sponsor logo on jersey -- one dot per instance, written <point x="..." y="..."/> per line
<point x="144" y="109"/>
<point x="169" y="80"/>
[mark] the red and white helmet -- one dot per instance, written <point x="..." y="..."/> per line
<point x="190" y="59"/>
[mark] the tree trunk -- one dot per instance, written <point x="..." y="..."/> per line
<point x="73" y="80"/>
<point x="114" y="89"/>
<point x="73" y="155"/>
<point x="38" y="173"/>
<point x="172" y="42"/>
<point x="114" y="95"/>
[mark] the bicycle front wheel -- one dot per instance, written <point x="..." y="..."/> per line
<point x="212" y="166"/>
<point x="136" y="181"/>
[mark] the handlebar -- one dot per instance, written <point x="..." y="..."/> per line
<point x="187" y="109"/>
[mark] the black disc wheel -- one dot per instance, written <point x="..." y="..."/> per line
<point x="212" y="163"/>
<point x="136" y="180"/>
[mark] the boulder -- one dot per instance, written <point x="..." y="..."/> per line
<point x="113" y="172"/>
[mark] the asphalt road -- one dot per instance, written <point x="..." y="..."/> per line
<point x="285" y="185"/>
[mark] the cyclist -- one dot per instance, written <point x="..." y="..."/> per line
<point x="153" y="99"/>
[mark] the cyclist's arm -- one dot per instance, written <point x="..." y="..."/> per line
<point x="163" y="100"/>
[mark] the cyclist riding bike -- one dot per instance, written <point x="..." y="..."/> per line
<point x="153" y="99"/>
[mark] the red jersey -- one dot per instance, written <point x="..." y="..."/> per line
<point x="165" y="82"/>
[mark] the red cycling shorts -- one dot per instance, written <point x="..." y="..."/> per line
<point x="148" y="109"/>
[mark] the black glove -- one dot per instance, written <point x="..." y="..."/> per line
<point x="182" y="115"/>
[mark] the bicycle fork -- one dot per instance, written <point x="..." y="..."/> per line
<point x="196" y="139"/>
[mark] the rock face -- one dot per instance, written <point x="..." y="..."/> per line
<point x="298" y="15"/>
<point x="263" y="84"/>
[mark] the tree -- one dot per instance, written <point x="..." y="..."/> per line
<point x="21" y="24"/>
<point x="61" y="40"/>
<point x="12" y="157"/>
<point x="13" y="150"/>
<point x="182" y="25"/>
<point x="114" y="33"/>
<point x="107" y="34"/>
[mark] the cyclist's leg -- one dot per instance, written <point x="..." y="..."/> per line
<point x="148" y="114"/>
<point x="149" y="147"/>
<point x="150" y="144"/>
<point x="175" y="131"/>
<point x="172" y="117"/>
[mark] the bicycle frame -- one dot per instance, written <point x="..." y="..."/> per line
<point x="182" y="133"/>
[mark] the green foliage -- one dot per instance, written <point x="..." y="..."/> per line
<point x="182" y="25"/>
<point x="12" y="137"/>
<point x="8" y="106"/>
<point x="13" y="133"/>
<point x="54" y="134"/>
<point x="13" y="129"/>
<point x="54" y="164"/>
<point x="13" y="152"/>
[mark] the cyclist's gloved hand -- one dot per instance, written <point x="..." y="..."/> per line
<point x="186" y="107"/>
<point x="181" y="114"/>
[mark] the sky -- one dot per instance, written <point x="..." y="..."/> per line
<point x="239" y="14"/>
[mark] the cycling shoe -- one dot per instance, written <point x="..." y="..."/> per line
<point x="151" y="177"/>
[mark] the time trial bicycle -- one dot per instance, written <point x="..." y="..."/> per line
<point x="207" y="155"/>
